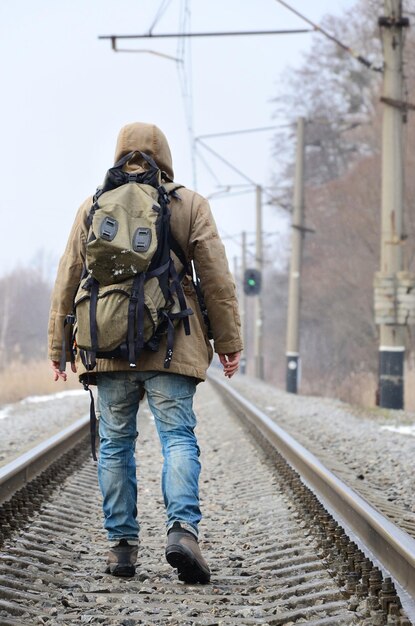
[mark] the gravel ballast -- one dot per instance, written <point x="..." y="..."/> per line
<point x="371" y="449"/>
<point x="265" y="561"/>
<point x="36" y="418"/>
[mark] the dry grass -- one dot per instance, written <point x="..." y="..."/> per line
<point x="19" y="380"/>
<point x="409" y="390"/>
<point x="358" y="389"/>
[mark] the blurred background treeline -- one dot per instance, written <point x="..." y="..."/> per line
<point x="341" y="103"/>
<point x="24" y="312"/>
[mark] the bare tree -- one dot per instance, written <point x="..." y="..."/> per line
<point x="342" y="102"/>
<point x="334" y="93"/>
<point x="24" y="315"/>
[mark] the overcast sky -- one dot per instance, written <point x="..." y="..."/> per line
<point x="66" y="94"/>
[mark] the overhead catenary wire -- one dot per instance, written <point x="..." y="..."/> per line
<point x="244" y="131"/>
<point x="184" y="70"/>
<point x="236" y="240"/>
<point x="230" y="33"/>
<point x="145" y="51"/>
<point x="226" y="162"/>
<point x="161" y="10"/>
<point x="183" y="58"/>
<point x="230" y="165"/>
<point x="317" y="27"/>
<point x="208" y="168"/>
<point x="250" y="182"/>
<point x="225" y="192"/>
<point x="254" y="184"/>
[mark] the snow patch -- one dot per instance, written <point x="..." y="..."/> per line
<point x="402" y="430"/>
<point x="5" y="412"/>
<point x="53" y="396"/>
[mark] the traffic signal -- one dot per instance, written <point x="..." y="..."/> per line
<point x="252" y="282"/>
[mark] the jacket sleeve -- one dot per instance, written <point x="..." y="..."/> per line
<point x="217" y="285"/>
<point x="67" y="281"/>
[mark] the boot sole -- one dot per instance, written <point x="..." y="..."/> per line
<point x="188" y="568"/>
<point x="124" y="571"/>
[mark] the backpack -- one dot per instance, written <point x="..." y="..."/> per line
<point x="130" y="293"/>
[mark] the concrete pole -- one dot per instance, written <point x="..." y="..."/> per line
<point x="258" y="331"/>
<point x="242" y="304"/>
<point x="392" y="336"/>
<point x="294" y="293"/>
<point x="235" y="271"/>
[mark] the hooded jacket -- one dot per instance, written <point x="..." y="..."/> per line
<point x="194" y="228"/>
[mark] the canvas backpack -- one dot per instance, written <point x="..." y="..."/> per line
<point x="130" y="294"/>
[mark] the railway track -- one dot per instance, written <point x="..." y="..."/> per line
<point x="277" y="555"/>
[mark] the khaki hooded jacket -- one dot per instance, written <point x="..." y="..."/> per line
<point x="194" y="228"/>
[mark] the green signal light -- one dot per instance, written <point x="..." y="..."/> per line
<point x="252" y="282"/>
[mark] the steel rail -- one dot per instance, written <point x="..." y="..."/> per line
<point x="392" y="547"/>
<point x="26" y="467"/>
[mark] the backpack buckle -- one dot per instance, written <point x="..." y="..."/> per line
<point x="163" y="195"/>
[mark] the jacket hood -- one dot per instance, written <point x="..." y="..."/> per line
<point x="149" y="139"/>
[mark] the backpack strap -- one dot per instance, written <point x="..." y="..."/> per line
<point x="136" y="317"/>
<point x="69" y="320"/>
<point x="172" y="188"/>
<point x="136" y="312"/>
<point x="188" y="267"/>
<point x="176" y="287"/>
<point x="93" y="329"/>
<point x="92" y="421"/>
<point x="202" y="305"/>
<point x="127" y="157"/>
<point x="183" y="314"/>
<point x="116" y="176"/>
<point x="177" y="249"/>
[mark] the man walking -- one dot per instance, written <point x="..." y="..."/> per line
<point x="169" y="392"/>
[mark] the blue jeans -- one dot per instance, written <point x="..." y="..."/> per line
<point x="170" y="397"/>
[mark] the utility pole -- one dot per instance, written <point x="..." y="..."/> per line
<point x="243" y="305"/>
<point x="258" y="334"/>
<point x="235" y="270"/>
<point x="389" y="281"/>
<point x="294" y="293"/>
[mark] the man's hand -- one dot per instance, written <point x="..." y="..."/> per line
<point x="230" y="363"/>
<point x="57" y="372"/>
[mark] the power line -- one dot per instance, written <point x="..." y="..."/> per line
<point x="245" y="131"/>
<point x="184" y="35"/>
<point x="145" y="51"/>
<point x="221" y="158"/>
<point x="225" y="192"/>
<point x="207" y="166"/>
<point x="162" y="9"/>
<point x="233" y="168"/>
<point x="184" y="70"/>
<point x="236" y="240"/>
<point x="315" y="26"/>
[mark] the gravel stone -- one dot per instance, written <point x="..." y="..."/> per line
<point x="29" y="422"/>
<point x="239" y="511"/>
<point x="251" y="535"/>
<point x="354" y="442"/>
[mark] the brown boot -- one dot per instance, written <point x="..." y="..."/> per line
<point x="183" y="553"/>
<point x="122" y="559"/>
